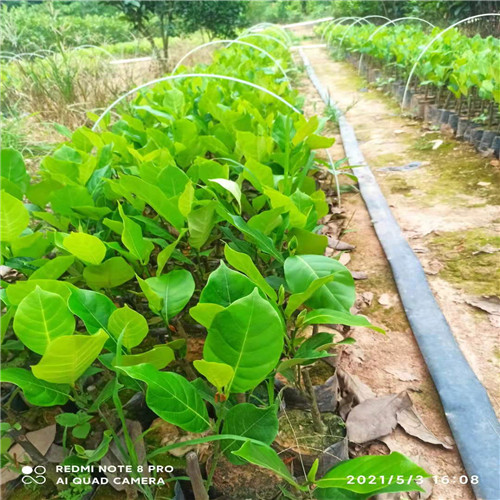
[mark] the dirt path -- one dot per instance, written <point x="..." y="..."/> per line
<point x="448" y="210"/>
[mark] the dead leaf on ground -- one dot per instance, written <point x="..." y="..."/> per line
<point x="386" y="300"/>
<point x="339" y="245"/>
<point x="486" y="249"/>
<point x="40" y="439"/>
<point x="353" y="385"/>
<point x="433" y="267"/>
<point x="490" y="304"/>
<point x="376" y="417"/>
<point x="359" y="275"/>
<point x="402" y="375"/>
<point x="411" y="422"/>
<point x="344" y="259"/>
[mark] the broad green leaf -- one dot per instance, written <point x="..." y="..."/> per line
<point x="200" y="224"/>
<point x="313" y="346"/>
<point x="224" y="286"/>
<point x="379" y="466"/>
<point x="42" y="317"/>
<point x="231" y="187"/>
<point x="186" y="199"/>
<point x="93" y="308"/>
<point x="67" y="358"/>
<point x="266" y="221"/>
<point x="302" y="270"/>
<point x="154" y="196"/>
<point x="129" y="323"/>
<point x="297" y="299"/>
<point x="63" y="200"/>
<point x="309" y="242"/>
<point x="37" y="392"/>
<point x="247" y="420"/>
<point x="205" y="313"/>
<point x="203" y="169"/>
<point x="53" y="268"/>
<point x="218" y="374"/>
<point x="264" y="456"/>
<point x="14" y="217"/>
<point x="133" y="239"/>
<point x="263" y="242"/>
<point x="174" y="289"/>
<point x="172" y="180"/>
<point x="332" y="317"/>
<point x="112" y="272"/>
<point x="17" y="291"/>
<point x="34" y="245"/>
<point x="248" y="336"/>
<point x="172" y="398"/>
<point x="160" y="356"/>
<point x="154" y="300"/>
<point x="163" y="257"/>
<point x="258" y="174"/>
<point x="286" y="204"/>
<point x="13" y="169"/>
<point x="115" y="225"/>
<point x="85" y="247"/>
<point x="319" y="142"/>
<point x="244" y="263"/>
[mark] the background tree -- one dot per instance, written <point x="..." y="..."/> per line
<point x="168" y="18"/>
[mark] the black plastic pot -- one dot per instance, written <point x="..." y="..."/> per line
<point x="462" y="126"/>
<point x="495" y="145"/>
<point x="453" y="121"/>
<point x="476" y="137"/>
<point x="445" y="114"/>
<point x="469" y="130"/>
<point x="487" y="140"/>
<point x="432" y="113"/>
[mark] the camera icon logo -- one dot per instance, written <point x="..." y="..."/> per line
<point x="33" y="474"/>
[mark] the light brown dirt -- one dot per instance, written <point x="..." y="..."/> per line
<point x="431" y="206"/>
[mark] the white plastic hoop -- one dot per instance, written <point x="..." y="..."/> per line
<point x="191" y="75"/>
<point x="393" y="22"/>
<point x="356" y="22"/>
<point x="334" y="22"/>
<point x="262" y="35"/>
<point x="215" y="42"/>
<point x="83" y="47"/>
<point x="439" y="35"/>
<point x="265" y="25"/>
<point x="340" y="21"/>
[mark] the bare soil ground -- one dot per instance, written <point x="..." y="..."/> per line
<point x="448" y="209"/>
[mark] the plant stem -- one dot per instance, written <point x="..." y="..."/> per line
<point x="318" y="424"/>
<point x="193" y="471"/>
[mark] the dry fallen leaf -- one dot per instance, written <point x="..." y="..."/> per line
<point x="353" y="385"/>
<point x="375" y="417"/>
<point x="411" y="422"/>
<point x="344" y="259"/>
<point x="359" y="275"/>
<point x="489" y="304"/>
<point x="402" y="375"/>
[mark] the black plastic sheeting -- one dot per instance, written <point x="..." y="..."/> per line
<point x="466" y="404"/>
